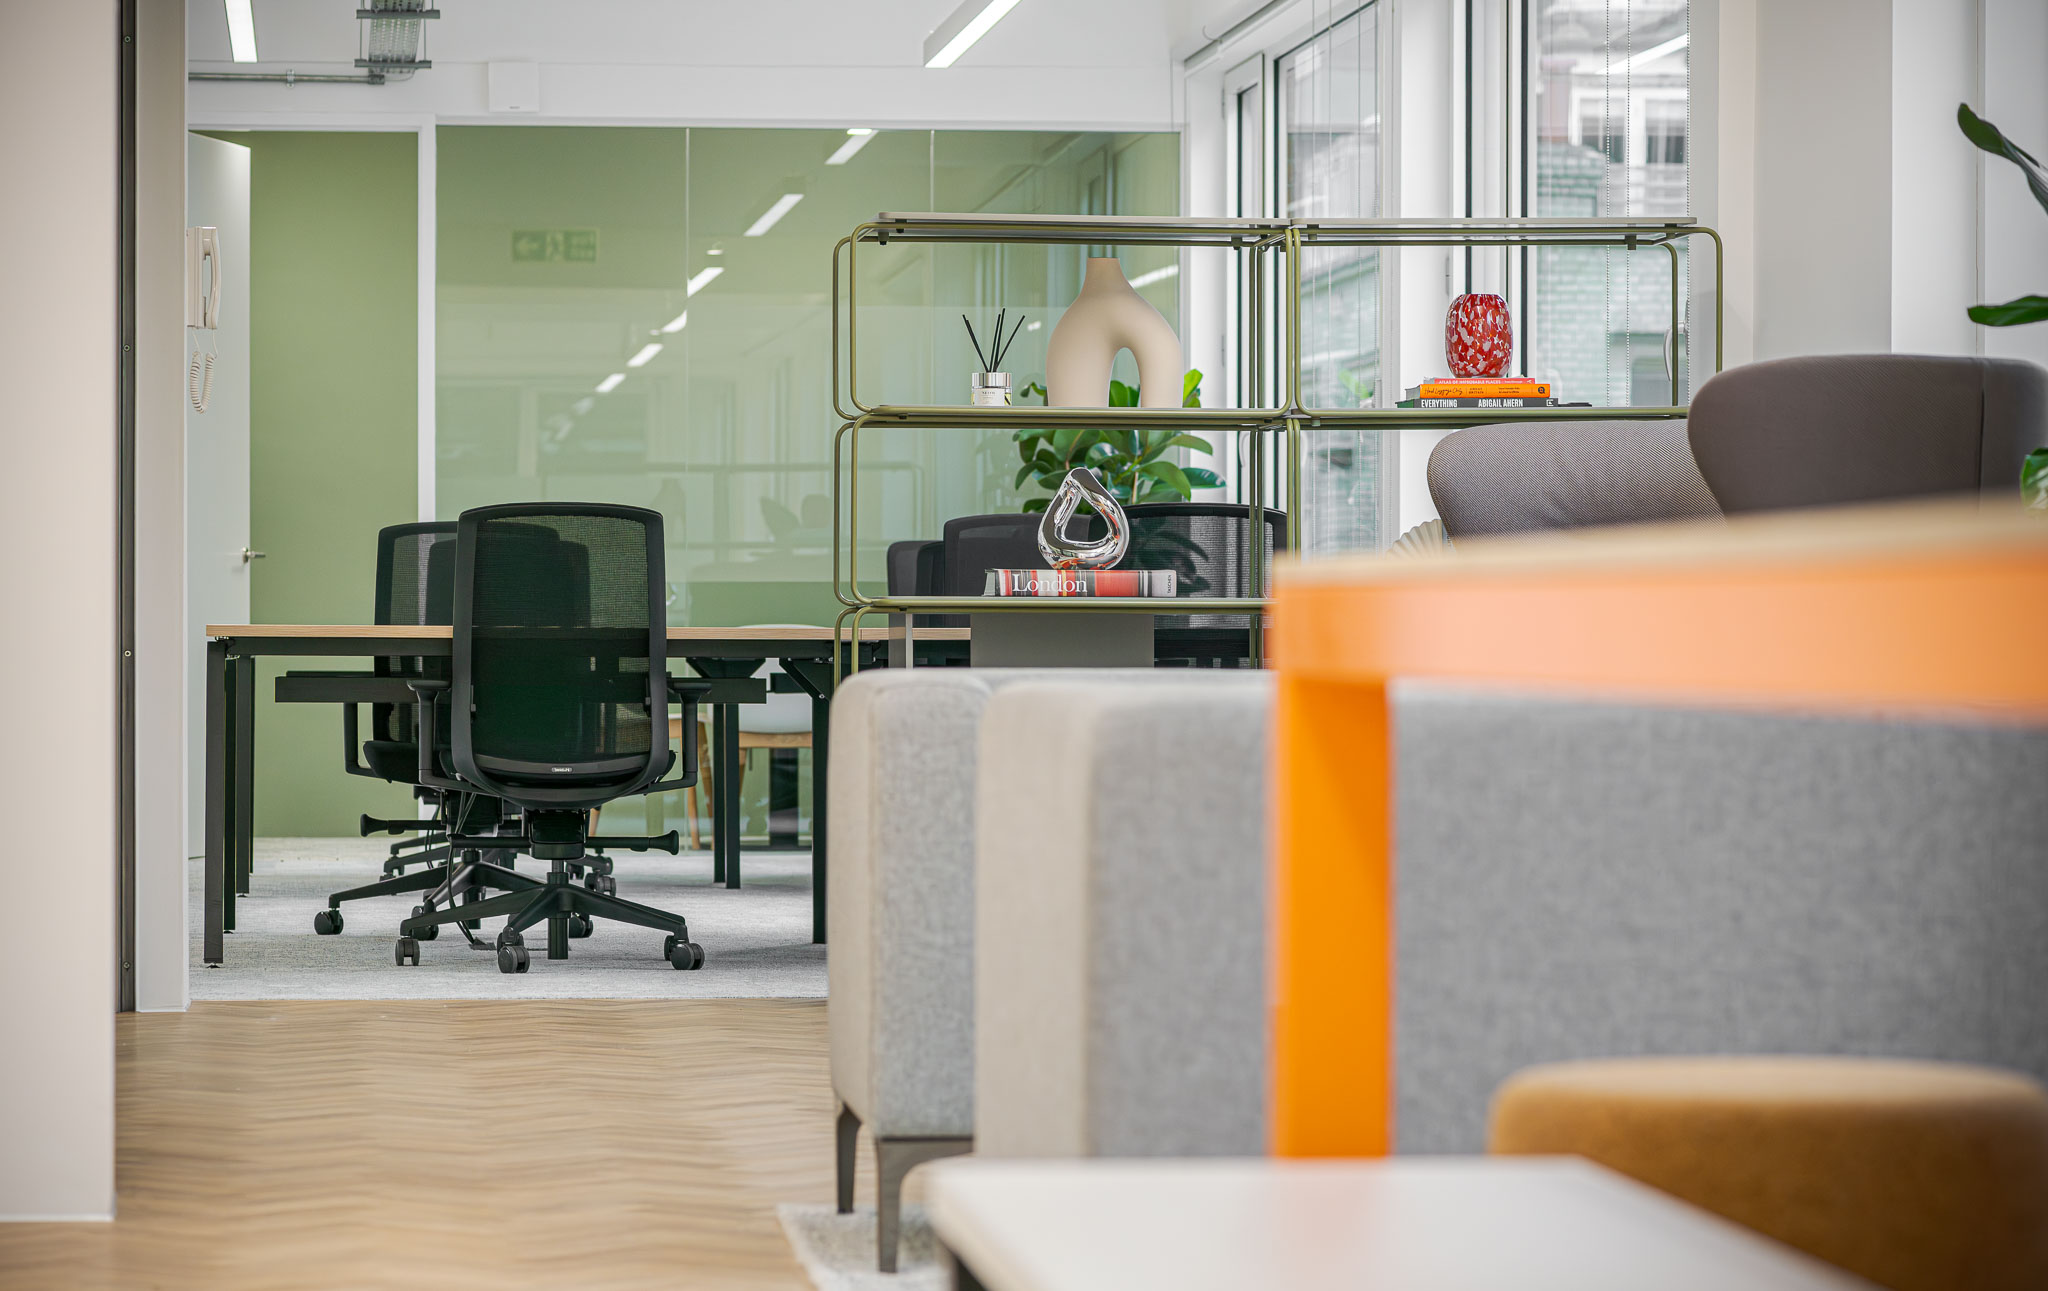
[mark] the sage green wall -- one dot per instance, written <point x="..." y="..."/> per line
<point x="333" y="430"/>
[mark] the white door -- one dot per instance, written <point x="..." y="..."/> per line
<point x="216" y="443"/>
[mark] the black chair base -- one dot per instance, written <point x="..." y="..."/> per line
<point x="563" y="906"/>
<point x="446" y="884"/>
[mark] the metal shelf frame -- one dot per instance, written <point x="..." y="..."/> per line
<point x="1259" y="238"/>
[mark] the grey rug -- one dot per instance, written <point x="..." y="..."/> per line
<point x="757" y="939"/>
<point x="838" y="1251"/>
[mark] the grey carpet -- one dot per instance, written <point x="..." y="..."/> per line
<point x="838" y="1251"/>
<point x="757" y="940"/>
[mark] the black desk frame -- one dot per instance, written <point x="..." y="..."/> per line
<point x="231" y="741"/>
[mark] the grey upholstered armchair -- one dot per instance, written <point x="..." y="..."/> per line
<point x="1836" y="429"/>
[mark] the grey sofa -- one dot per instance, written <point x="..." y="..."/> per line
<point x="1834" y="429"/>
<point x="1120" y="919"/>
<point x="1581" y="879"/>
<point x="906" y="747"/>
<point x="1825" y="430"/>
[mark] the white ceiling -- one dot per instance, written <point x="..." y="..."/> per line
<point x="1049" y="62"/>
<point x="734" y="33"/>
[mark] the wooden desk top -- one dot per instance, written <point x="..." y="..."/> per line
<point x="442" y="632"/>
<point x="1447" y="1223"/>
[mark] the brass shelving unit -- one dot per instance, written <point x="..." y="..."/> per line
<point x="1260" y="239"/>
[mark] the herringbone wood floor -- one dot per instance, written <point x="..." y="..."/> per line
<point x="494" y="1145"/>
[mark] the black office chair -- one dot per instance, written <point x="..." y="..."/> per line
<point x="1204" y="544"/>
<point x="416" y="585"/>
<point x="558" y="703"/>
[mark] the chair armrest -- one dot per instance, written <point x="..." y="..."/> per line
<point x="688" y="692"/>
<point x="425" y="689"/>
<point x="351" y="745"/>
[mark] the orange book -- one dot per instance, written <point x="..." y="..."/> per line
<point x="1482" y="388"/>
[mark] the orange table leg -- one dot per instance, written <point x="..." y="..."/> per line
<point x="1332" y="920"/>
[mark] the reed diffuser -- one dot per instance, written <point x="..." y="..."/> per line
<point x="990" y="387"/>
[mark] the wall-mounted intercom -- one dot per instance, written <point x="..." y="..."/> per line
<point x="202" y="307"/>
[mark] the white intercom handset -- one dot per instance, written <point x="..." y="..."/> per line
<point x="202" y="306"/>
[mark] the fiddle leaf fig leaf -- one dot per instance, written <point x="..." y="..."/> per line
<point x="2034" y="480"/>
<point x="2026" y="309"/>
<point x="1169" y="475"/>
<point x="1992" y="140"/>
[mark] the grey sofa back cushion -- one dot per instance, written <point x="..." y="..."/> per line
<point x="1120" y="918"/>
<point x="1565" y="474"/>
<point x="1829" y="430"/>
<point x="1584" y="879"/>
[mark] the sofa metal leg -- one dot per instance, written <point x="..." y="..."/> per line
<point x="895" y="1158"/>
<point x="849" y="1135"/>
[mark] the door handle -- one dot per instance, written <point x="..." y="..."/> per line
<point x="248" y="555"/>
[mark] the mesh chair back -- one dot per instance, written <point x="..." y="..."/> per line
<point x="917" y="568"/>
<point x="561" y="651"/>
<point x="415" y="585"/>
<point x="1204" y="543"/>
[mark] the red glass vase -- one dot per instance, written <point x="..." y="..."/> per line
<point x="1479" y="337"/>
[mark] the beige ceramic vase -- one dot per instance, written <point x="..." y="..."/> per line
<point x="1109" y="315"/>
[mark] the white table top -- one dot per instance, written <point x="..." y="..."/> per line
<point x="1405" y="1224"/>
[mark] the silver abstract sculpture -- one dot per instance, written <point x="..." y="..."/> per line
<point x="1064" y="552"/>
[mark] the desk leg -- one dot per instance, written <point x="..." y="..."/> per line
<point x="815" y="676"/>
<point x="728" y="755"/>
<point x="715" y="796"/>
<point x="217" y="805"/>
<point x="821" y="744"/>
<point x="244" y="762"/>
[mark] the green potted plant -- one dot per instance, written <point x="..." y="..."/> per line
<point x="1132" y="463"/>
<point x="2024" y="309"/>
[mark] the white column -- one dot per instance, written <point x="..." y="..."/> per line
<point x="162" y="952"/>
<point x="57" y="329"/>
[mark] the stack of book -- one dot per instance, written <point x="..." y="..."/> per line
<point x="1479" y="392"/>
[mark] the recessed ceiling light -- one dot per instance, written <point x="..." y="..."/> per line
<point x="647" y="352"/>
<point x="241" y="31"/>
<point x="856" y="139"/>
<point x="677" y="324"/>
<point x="583" y="405"/>
<point x="715" y="251"/>
<point x="610" y="383"/>
<point x="1156" y="275"/>
<point x="969" y="23"/>
<point x="773" y="214"/>
<point x="703" y="279"/>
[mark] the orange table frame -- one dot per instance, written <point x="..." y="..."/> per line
<point x="1941" y="607"/>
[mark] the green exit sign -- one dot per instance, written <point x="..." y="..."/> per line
<point x="554" y="246"/>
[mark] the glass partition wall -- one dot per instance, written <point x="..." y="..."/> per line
<point x="640" y="315"/>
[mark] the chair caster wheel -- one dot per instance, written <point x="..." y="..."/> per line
<point x="513" y="958"/>
<point x="579" y="925"/>
<point x="327" y="922"/>
<point x="408" y="951"/>
<point x="602" y="884"/>
<point x="432" y="930"/>
<point x="684" y="955"/>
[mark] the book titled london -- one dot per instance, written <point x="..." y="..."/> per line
<point x="1080" y="582"/>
